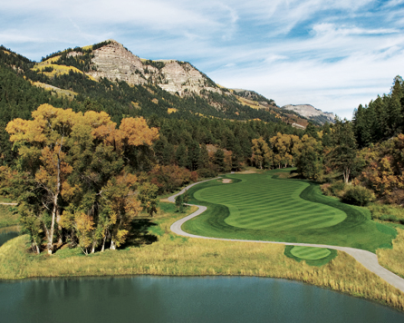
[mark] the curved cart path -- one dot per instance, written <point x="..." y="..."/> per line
<point x="366" y="258"/>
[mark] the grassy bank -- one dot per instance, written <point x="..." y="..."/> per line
<point x="174" y="255"/>
<point x="393" y="259"/>
<point x="260" y="207"/>
<point x="387" y="213"/>
<point x="8" y="216"/>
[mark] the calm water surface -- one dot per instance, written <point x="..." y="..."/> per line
<point x="151" y="299"/>
<point x="176" y="299"/>
<point x="7" y="234"/>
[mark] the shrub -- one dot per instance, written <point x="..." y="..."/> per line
<point x="358" y="195"/>
<point x="395" y="197"/>
<point x="207" y="172"/>
<point x="194" y="176"/>
<point x="390" y="213"/>
<point x="335" y="189"/>
<point x="325" y="188"/>
<point x="170" y="178"/>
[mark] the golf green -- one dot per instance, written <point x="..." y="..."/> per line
<point x="309" y="253"/>
<point x="264" y="207"/>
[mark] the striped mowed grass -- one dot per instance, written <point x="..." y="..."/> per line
<point x="309" y="253"/>
<point x="260" y="202"/>
<point x="262" y="207"/>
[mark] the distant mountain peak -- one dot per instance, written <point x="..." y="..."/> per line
<point x="310" y="112"/>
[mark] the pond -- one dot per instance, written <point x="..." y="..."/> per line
<point x="179" y="299"/>
<point x="8" y="233"/>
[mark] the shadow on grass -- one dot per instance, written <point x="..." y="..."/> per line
<point x="139" y="233"/>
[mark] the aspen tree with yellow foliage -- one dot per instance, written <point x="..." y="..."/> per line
<point x="261" y="154"/>
<point x="74" y="178"/>
<point x="285" y="148"/>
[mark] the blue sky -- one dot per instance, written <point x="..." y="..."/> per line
<point x="331" y="54"/>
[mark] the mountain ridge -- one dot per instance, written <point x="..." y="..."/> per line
<point x="310" y="112"/>
<point x="112" y="61"/>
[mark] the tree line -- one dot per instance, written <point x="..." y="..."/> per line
<point x="382" y="118"/>
<point x="318" y="152"/>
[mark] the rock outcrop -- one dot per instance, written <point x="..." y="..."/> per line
<point x="114" y="62"/>
<point x="310" y="112"/>
<point x="183" y="77"/>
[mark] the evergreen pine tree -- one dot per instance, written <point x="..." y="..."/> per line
<point x="203" y="161"/>
<point x="219" y="160"/>
<point x="193" y="155"/>
<point x="311" y="130"/>
<point x="181" y="155"/>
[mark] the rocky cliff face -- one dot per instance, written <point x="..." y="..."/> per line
<point x="310" y="112"/>
<point x="113" y="61"/>
<point x="182" y="78"/>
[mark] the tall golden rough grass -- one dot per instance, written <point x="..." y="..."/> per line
<point x="175" y="255"/>
<point x="393" y="259"/>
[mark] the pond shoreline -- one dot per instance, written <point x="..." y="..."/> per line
<point x="198" y="299"/>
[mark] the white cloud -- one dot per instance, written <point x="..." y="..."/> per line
<point x="332" y="54"/>
<point x="393" y="3"/>
<point x="12" y="36"/>
<point x="338" y="87"/>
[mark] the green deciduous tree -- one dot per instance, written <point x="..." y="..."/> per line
<point x="179" y="203"/>
<point x="309" y="161"/>
<point x="342" y="156"/>
<point x="148" y="197"/>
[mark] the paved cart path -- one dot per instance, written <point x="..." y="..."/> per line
<point x="366" y="258"/>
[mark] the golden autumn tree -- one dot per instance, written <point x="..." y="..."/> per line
<point x="261" y="153"/>
<point x="384" y="169"/>
<point x="285" y="148"/>
<point x="103" y="164"/>
<point x="121" y="199"/>
<point x="73" y="159"/>
<point x="41" y="144"/>
<point x="84" y="226"/>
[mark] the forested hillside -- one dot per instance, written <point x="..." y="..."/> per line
<point x="112" y="61"/>
<point x="382" y="118"/>
<point x="186" y="119"/>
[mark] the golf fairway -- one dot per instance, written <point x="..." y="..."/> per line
<point x="263" y="207"/>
